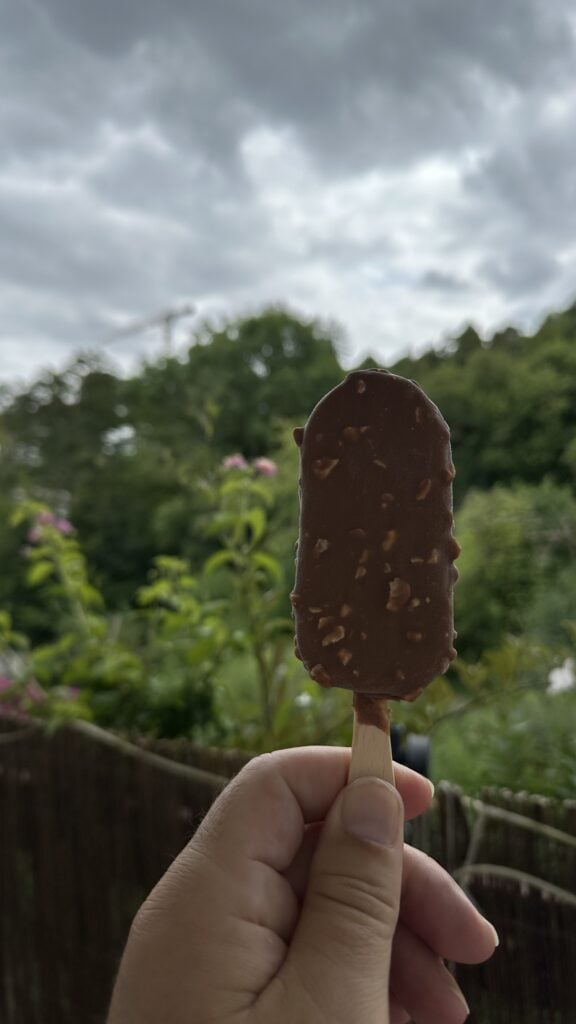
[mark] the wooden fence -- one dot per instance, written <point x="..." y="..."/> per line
<point x="87" y="826"/>
<point x="89" y="822"/>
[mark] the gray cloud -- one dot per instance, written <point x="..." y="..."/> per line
<point x="402" y="167"/>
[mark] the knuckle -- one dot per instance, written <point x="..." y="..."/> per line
<point x="360" y="900"/>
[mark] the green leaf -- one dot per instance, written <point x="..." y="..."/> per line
<point x="157" y="592"/>
<point x="218" y="560"/>
<point x="39" y="573"/>
<point x="278" y="626"/>
<point x="221" y="522"/>
<point x="270" y="565"/>
<point x="255" y="518"/>
<point x="261" y="491"/>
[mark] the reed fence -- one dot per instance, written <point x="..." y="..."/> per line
<point x="89" y="822"/>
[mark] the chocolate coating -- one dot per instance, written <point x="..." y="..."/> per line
<point x="374" y="574"/>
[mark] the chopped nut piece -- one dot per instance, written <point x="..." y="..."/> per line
<point x="427" y="600"/>
<point x="360" y="572"/>
<point x="414" y="603"/>
<point x="434" y="557"/>
<point x="364" y="430"/>
<point x="417" y="561"/>
<point x="320" y="675"/>
<point x="378" y="462"/>
<point x="351" y="433"/>
<point x="386" y="500"/>
<point x="358" y="534"/>
<point x="345" y="611"/>
<point x="399" y="595"/>
<point x="386" y="567"/>
<point x="400" y="674"/>
<point x="450" y="473"/>
<point x="364" y="556"/>
<point x="419" y="414"/>
<point x="325" y="620"/>
<point x="416" y="637"/>
<point x="344" y="655"/>
<point x="334" y="637"/>
<point x="390" y="539"/>
<point x="323" y="467"/>
<point x="361" y="386"/>
<point x="364" y="636"/>
<point x="452" y="653"/>
<point x="295" y="600"/>
<point x="315" y="611"/>
<point x="424" y="490"/>
<point x="454" y="548"/>
<point x="321" y="546"/>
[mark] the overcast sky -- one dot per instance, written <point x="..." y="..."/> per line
<point x="401" y="167"/>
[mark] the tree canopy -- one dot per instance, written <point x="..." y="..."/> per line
<point x="127" y="459"/>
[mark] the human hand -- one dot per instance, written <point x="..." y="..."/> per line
<point x="284" y="908"/>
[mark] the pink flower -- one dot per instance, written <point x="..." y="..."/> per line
<point x="265" y="466"/>
<point x="64" y="526"/>
<point x="5" y="683"/>
<point x="236" y="461"/>
<point x="35" y="693"/>
<point x="45" y="519"/>
<point x="60" y="523"/>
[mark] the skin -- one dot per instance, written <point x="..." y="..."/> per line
<point x="296" y="902"/>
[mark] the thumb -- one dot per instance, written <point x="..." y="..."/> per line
<point x="341" y="948"/>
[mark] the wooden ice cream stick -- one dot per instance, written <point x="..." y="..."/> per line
<point x="371" y="747"/>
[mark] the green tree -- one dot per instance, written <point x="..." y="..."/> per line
<point x="516" y="542"/>
<point x="260" y="370"/>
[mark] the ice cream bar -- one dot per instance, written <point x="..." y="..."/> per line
<point x="374" y="573"/>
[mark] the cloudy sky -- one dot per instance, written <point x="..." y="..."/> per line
<point x="401" y="167"/>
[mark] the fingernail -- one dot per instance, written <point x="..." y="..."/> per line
<point x="432" y="787"/>
<point x="372" y="809"/>
<point x="457" y="990"/>
<point x="493" y="930"/>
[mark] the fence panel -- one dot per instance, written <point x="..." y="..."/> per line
<point x="89" y="822"/>
<point x="87" y="827"/>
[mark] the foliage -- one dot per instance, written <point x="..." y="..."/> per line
<point x="516" y="543"/>
<point x="264" y="697"/>
<point x="164" y="667"/>
<point x="510" y="401"/>
<point x="524" y="742"/>
<point x="124" y="457"/>
<point x="508" y="728"/>
<point x="204" y="647"/>
<point x="141" y="671"/>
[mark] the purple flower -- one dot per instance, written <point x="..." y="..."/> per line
<point x="34" y="535"/>
<point x="236" y="461"/>
<point x="266" y="467"/>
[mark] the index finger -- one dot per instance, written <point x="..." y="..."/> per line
<point x="263" y="813"/>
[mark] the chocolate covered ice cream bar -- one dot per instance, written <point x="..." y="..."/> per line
<point x="374" y="577"/>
